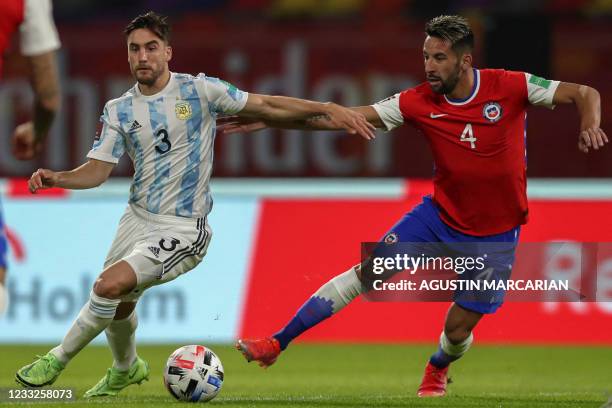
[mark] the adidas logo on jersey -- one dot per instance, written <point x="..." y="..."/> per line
<point x="154" y="250"/>
<point x="135" y="126"/>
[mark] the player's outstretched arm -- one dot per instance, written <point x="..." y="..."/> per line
<point x="238" y="124"/>
<point x="323" y="123"/>
<point x="291" y="113"/>
<point x="89" y="175"/>
<point x="588" y="103"/>
<point x="28" y="137"/>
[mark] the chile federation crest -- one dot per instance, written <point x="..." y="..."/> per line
<point x="492" y="111"/>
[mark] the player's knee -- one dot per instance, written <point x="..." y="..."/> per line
<point x="361" y="270"/>
<point x="357" y="269"/>
<point x="108" y="288"/>
<point x="365" y="279"/>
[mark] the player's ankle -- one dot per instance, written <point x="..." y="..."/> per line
<point x="60" y="355"/>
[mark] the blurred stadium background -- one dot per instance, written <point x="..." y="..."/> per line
<point x="291" y="207"/>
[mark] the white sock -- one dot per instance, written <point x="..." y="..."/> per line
<point x="94" y="317"/>
<point x="455" y="350"/>
<point x="4" y="299"/>
<point x="121" y="339"/>
<point x="341" y="290"/>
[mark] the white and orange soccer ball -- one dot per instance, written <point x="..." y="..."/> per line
<point x="193" y="373"/>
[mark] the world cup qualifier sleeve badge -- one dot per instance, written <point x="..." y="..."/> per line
<point x="492" y="111"/>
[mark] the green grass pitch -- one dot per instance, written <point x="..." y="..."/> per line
<point x="349" y="375"/>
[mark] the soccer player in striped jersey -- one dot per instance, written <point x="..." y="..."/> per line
<point x="166" y="124"/>
<point x="475" y="123"/>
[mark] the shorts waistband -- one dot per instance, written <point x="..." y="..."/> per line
<point x="162" y="218"/>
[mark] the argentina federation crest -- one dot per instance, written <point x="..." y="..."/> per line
<point x="183" y="110"/>
<point x="492" y="111"/>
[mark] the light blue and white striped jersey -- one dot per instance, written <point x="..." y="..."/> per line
<point x="169" y="137"/>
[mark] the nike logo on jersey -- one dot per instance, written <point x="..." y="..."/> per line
<point x="135" y="126"/>
<point x="437" y="115"/>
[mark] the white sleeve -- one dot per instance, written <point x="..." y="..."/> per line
<point x="389" y="111"/>
<point x="222" y="96"/>
<point x="109" y="143"/>
<point x="38" y="32"/>
<point x="541" y="91"/>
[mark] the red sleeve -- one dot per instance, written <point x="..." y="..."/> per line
<point x="405" y="104"/>
<point x="515" y="83"/>
<point x="11" y="16"/>
<point x="412" y="103"/>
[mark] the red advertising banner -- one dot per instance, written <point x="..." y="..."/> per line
<point x="303" y="243"/>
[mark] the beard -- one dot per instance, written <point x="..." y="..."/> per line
<point x="448" y="85"/>
<point x="147" y="77"/>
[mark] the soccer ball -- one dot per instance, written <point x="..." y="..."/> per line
<point x="193" y="373"/>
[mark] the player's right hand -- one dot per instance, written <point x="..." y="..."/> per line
<point x="24" y="144"/>
<point x="42" y="179"/>
<point x="353" y="122"/>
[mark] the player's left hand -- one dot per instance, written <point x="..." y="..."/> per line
<point x="591" y="137"/>
<point x="351" y="121"/>
<point x="24" y="144"/>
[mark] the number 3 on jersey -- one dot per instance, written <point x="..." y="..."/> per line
<point x="164" y="144"/>
<point x="468" y="136"/>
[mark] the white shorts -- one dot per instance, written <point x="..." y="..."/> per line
<point x="158" y="247"/>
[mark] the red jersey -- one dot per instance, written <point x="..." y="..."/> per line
<point x="11" y="16"/>
<point x="34" y="20"/>
<point x="478" y="146"/>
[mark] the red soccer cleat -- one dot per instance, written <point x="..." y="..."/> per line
<point x="265" y="351"/>
<point x="434" y="382"/>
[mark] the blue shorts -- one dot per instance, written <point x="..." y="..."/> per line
<point x="424" y="225"/>
<point x="3" y="242"/>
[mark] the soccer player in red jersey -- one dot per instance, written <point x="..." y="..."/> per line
<point x="38" y="37"/>
<point x="474" y="121"/>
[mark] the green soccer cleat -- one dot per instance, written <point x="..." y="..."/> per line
<point x="114" y="380"/>
<point x="43" y="371"/>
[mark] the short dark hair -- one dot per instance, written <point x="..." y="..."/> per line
<point x="454" y="29"/>
<point x="152" y="21"/>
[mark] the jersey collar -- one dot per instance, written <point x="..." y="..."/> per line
<point x="472" y="95"/>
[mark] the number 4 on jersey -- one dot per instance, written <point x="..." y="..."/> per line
<point x="468" y="136"/>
